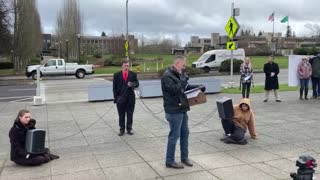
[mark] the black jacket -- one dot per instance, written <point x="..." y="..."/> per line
<point x="271" y="82"/>
<point x="121" y="90"/>
<point x="173" y="86"/>
<point x="17" y="137"/>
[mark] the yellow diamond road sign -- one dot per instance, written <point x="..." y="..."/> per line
<point x="126" y="45"/>
<point x="232" y="27"/>
<point x="231" y="45"/>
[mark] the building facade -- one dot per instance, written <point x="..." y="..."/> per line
<point x="266" y="40"/>
<point x="91" y="45"/>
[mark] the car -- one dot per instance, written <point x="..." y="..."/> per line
<point x="58" y="67"/>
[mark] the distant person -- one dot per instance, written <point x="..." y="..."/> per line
<point x="17" y="136"/>
<point x="246" y="77"/>
<point x="174" y="83"/>
<point x="271" y="70"/>
<point x="242" y="120"/>
<point x="304" y="72"/>
<point x="315" y="64"/>
<point x="124" y="83"/>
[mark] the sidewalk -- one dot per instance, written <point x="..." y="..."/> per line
<point x="84" y="135"/>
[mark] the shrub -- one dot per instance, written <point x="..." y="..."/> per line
<point x="117" y="61"/>
<point x="225" y="65"/>
<point x="97" y="55"/>
<point x="6" y="65"/>
<point x="306" y="51"/>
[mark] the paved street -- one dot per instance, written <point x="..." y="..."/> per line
<point x="85" y="136"/>
<point x="17" y="91"/>
<point x="66" y="90"/>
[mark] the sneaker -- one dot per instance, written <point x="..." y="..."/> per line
<point x="301" y="98"/>
<point x="187" y="162"/>
<point x="52" y="156"/>
<point x="244" y="142"/>
<point x="278" y="100"/>
<point x="306" y="98"/>
<point x="222" y="139"/>
<point x="266" y="100"/>
<point x="130" y="133"/>
<point x="175" y="165"/>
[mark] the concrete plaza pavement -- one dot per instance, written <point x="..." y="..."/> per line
<point x="84" y="135"/>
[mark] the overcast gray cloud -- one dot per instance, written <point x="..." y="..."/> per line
<point x="154" y="18"/>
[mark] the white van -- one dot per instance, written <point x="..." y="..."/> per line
<point x="212" y="59"/>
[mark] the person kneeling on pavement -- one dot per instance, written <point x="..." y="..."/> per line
<point x="242" y="120"/>
<point x="17" y="136"/>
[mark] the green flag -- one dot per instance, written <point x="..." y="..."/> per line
<point x="285" y="19"/>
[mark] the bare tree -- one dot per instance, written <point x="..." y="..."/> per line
<point x="5" y="35"/>
<point x="69" y="25"/>
<point x="314" y="28"/>
<point x="27" y="33"/>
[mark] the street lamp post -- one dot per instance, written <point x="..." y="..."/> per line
<point x="67" y="50"/>
<point x="127" y="34"/>
<point x="79" y="36"/>
<point x="60" y="49"/>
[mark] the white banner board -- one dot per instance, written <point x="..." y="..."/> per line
<point x="293" y="78"/>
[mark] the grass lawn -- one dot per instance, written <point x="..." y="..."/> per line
<point x="259" y="61"/>
<point x="6" y="72"/>
<point x="107" y="70"/>
<point x="259" y="89"/>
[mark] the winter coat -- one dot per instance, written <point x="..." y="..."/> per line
<point x="121" y="90"/>
<point x="315" y="63"/>
<point x="246" y="71"/>
<point x="245" y="119"/>
<point x="173" y="86"/>
<point x="17" y="137"/>
<point x="271" y="82"/>
<point x="304" y="70"/>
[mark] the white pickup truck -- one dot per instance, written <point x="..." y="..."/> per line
<point x="58" y="67"/>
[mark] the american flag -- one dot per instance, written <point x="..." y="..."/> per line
<point x="271" y="17"/>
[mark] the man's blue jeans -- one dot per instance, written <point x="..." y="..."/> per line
<point x="178" y="128"/>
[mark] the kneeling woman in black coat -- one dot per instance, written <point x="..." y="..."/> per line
<point x="17" y="136"/>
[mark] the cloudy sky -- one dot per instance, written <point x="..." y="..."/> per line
<point x="169" y="18"/>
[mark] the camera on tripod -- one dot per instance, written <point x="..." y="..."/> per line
<point x="305" y="170"/>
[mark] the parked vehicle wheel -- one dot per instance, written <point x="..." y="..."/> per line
<point x="34" y="75"/>
<point x="206" y="69"/>
<point x="80" y="74"/>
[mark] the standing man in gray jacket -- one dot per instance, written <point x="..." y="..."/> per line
<point x="174" y="83"/>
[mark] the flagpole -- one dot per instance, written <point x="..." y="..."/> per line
<point x="272" y="40"/>
<point x="288" y="21"/>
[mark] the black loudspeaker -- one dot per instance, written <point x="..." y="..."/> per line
<point x="225" y="108"/>
<point x="35" y="141"/>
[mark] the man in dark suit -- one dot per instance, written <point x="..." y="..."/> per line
<point x="271" y="70"/>
<point x="124" y="83"/>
